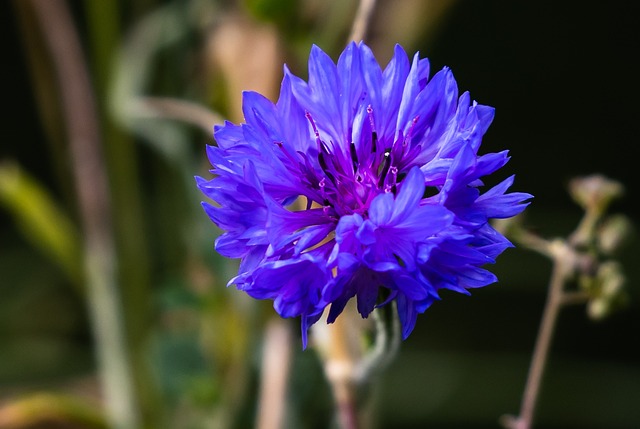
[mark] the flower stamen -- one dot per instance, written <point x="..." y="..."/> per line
<point x="354" y="156"/>
<point x="374" y="134"/>
<point x="383" y="169"/>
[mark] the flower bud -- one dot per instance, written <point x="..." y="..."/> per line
<point x="607" y="291"/>
<point x="598" y="309"/>
<point x="595" y="192"/>
<point x="614" y="233"/>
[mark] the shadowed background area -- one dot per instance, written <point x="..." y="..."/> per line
<point x="563" y="79"/>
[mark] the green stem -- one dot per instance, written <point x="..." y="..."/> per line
<point x="122" y="172"/>
<point x="386" y="345"/>
<point x="81" y="120"/>
<point x="129" y="232"/>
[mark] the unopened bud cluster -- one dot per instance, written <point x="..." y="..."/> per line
<point x="601" y="236"/>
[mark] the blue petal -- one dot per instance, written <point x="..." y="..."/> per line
<point x="434" y="107"/>
<point x="381" y="209"/>
<point x="228" y="136"/>
<point x="409" y="93"/>
<point x="351" y="87"/>
<point x="348" y="225"/>
<point x="497" y="204"/>
<point x="261" y="114"/>
<point x="284" y="226"/>
<point x="463" y="164"/>
<point x="410" y="194"/>
<point x="367" y="233"/>
<point x="295" y="285"/>
<point x="296" y="131"/>
<point x="407" y="314"/>
<point x="474" y="277"/>
<point x="394" y="79"/>
<point x="305" y="323"/>
<point x="491" y="162"/>
<point x="325" y="88"/>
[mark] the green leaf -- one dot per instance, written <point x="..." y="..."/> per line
<point x="40" y="219"/>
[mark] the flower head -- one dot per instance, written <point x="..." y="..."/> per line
<point x="362" y="183"/>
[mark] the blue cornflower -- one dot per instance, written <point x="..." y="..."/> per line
<point x="362" y="183"/>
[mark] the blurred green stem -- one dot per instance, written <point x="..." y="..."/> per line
<point x="104" y="30"/>
<point x="387" y="342"/>
<point x="81" y="119"/>
<point x="121" y="167"/>
<point x="350" y="365"/>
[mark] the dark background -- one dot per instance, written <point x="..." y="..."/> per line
<point x="563" y="77"/>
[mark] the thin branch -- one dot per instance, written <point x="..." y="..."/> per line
<point x="80" y="115"/>
<point x="362" y="20"/>
<point x="563" y="265"/>
<point x="276" y="362"/>
<point x="340" y="356"/>
<point x="575" y="298"/>
<point x="347" y="407"/>
<point x="171" y="108"/>
<point x="534" y="242"/>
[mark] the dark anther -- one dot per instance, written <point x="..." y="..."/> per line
<point x="384" y="166"/>
<point x="374" y="142"/>
<point x="354" y="155"/>
<point x="430" y="191"/>
<point x="313" y="124"/>
<point x="324" y="148"/>
<point x="322" y="161"/>
<point x="374" y="134"/>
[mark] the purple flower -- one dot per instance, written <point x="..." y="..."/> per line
<point x="361" y="183"/>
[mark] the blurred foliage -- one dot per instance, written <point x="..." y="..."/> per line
<point x="51" y="411"/>
<point x="197" y="346"/>
<point x="40" y="219"/>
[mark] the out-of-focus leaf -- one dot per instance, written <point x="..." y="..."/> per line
<point x="46" y="96"/>
<point x="181" y="110"/>
<point x="133" y="75"/>
<point x="249" y="56"/>
<point x="134" y="258"/>
<point x="41" y="220"/>
<point x="283" y="13"/>
<point x="50" y="410"/>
